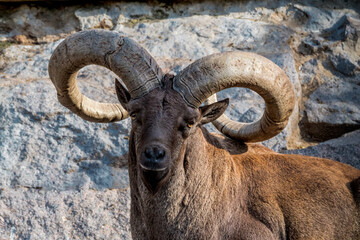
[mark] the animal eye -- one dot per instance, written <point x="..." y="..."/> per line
<point x="190" y="124"/>
<point x="133" y="116"/>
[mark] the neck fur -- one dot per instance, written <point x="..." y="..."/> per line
<point x="195" y="188"/>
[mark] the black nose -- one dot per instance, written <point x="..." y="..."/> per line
<point x="154" y="153"/>
<point x="154" y="165"/>
<point x="153" y="158"/>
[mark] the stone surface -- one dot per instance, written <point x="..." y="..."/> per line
<point x="39" y="136"/>
<point x="28" y="213"/>
<point x="332" y="109"/>
<point x="344" y="149"/>
<point x="36" y="24"/>
<point x="330" y="80"/>
<point x="344" y="64"/>
<point x="64" y="178"/>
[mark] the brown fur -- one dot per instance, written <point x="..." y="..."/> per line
<point x="217" y="188"/>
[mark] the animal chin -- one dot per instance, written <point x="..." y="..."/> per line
<point x="153" y="179"/>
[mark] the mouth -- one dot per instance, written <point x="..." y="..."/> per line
<point x="153" y="178"/>
<point x="152" y="169"/>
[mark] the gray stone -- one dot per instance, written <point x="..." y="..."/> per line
<point x="36" y="23"/>
<point x="311" y="45"/>
<point x="345" y="149"/>
<point x="28" y="213"/>
<point x="320" y="18"/>
<point x="60" y="177"/>
<point x="97" y="18"/>
<point x="330" y="80"/>
<point x="347" y="28"/>
<point x="40" y="136"/>
<point x="332" y="110"/>
<point x="308" y="71"/>
<point x="344" y="64"/>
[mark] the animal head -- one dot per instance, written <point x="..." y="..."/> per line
<point x="166" y="110"/>
<point x="161" y="123"/>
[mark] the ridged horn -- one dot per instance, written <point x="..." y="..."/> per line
<point x="216" y="72"/>
<point x="132" y="63"/>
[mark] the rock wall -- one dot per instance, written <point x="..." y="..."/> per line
<point x="64" y="178"/>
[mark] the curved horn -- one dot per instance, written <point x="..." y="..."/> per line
<point x="216" y="72"/>
<point x="132" y="63"/>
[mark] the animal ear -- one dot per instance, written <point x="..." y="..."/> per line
<point x="122" y="94"/>
<point x="211" y="112"/>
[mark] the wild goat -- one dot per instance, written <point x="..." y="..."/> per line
<point x="187" y="183"/>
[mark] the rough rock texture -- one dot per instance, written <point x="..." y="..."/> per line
<point x="332" y="109"/>
<point x="65" y="178"/>
<point x="344" y="149"/>
<point x="28" y="213"/>
<point x="330" y="80"/>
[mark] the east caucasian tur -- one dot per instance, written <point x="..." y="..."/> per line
<point x="187" y="183"/>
